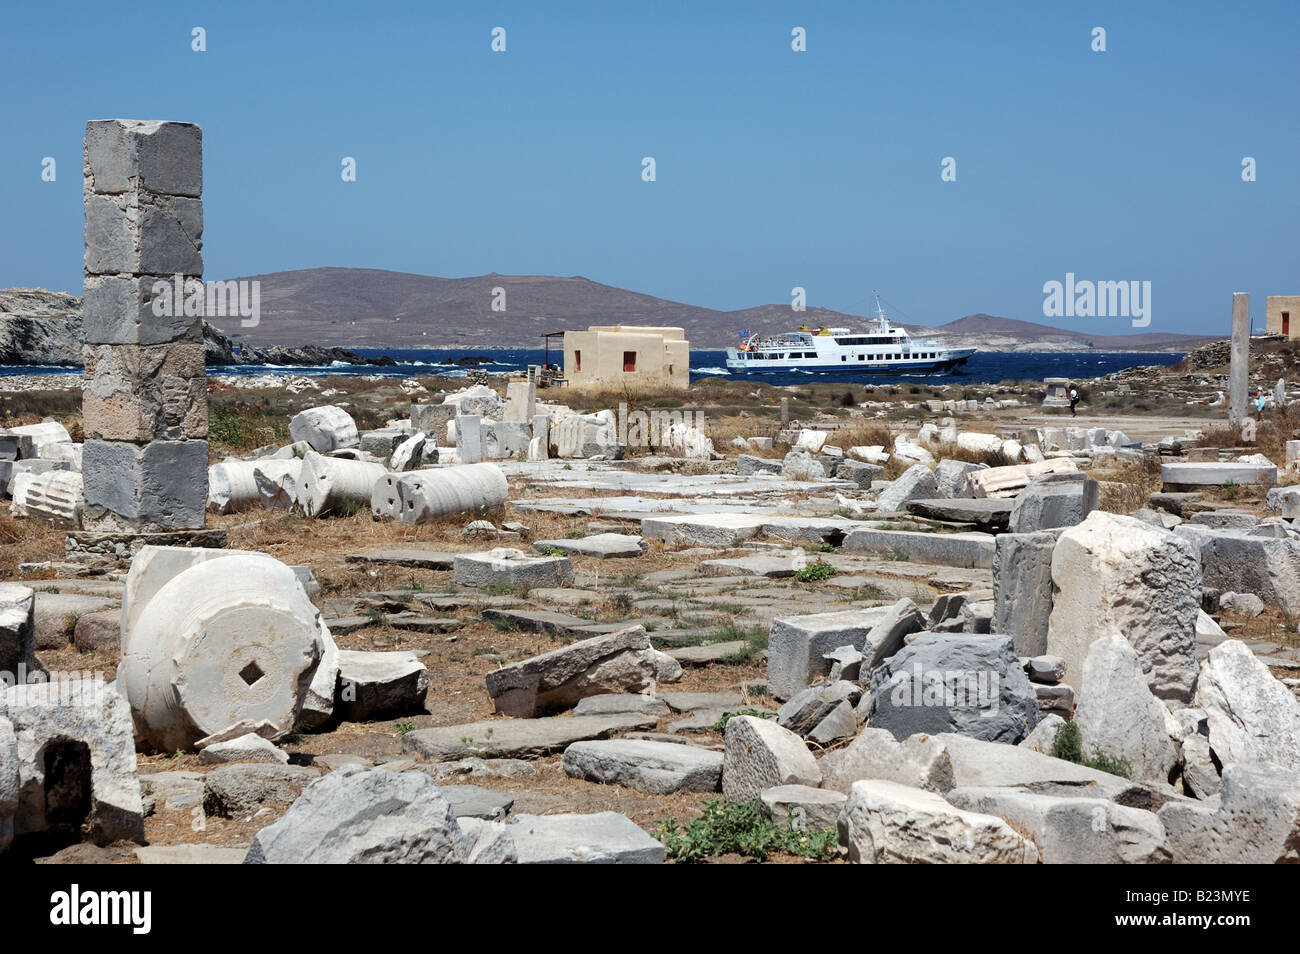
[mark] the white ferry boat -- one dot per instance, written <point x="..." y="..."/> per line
<point x="884" y="349"/>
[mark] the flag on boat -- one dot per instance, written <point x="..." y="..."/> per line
<point x="744" y="333"/>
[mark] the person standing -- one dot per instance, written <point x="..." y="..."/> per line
<point x="1074" y="402"/>
<point x="1260" y="402"/>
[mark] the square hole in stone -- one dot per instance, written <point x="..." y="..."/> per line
<point x="251" y="673"/>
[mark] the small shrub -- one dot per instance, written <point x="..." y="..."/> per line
<point x="813" y="572"/>
<point x="1068" y="743"/>
<point x="739" y="828"/>
<point x="552" y="551"/>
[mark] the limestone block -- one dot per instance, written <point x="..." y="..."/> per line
<point x="162" y="485"/>
<point x="141" y="309"/>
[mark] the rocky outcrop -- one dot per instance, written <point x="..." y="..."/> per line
<point x="39" y="327"/>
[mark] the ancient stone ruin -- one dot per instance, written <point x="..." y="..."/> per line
<point x="145" y="397"/>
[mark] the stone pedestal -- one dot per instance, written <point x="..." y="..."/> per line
<point x="1058" y="392"/>
<point x="145" y="394"/>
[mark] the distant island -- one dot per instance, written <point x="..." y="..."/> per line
<point x="316" y="310"/>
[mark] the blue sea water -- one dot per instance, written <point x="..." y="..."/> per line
<point x="983" y="367"/>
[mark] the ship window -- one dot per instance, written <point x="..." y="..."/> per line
<point x="844" y="357"/>
<point x="862" y="357"/>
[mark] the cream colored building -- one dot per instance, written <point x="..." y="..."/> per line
<point x="1282" y="315"/>
<point x="619" y="355"/>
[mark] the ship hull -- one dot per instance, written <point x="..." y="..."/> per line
<point x="941" y="365"/>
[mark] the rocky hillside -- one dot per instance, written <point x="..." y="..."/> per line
<point x="38" y="327"/>
<point x="372" y="308"/>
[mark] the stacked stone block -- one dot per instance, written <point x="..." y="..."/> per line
<point x="145" y="395"/>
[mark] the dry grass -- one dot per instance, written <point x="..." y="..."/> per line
<point x="23" y="540"/>
<point x="1278" y="427"/>
<point x="1128" y="486"/>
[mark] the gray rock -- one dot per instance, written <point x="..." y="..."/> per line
<point x="994" y="765"/>
<point x="1118" y="715"/>
<point x="471" y="801"/>
<point x="887" y="823"/>
<point x="885" y="638"/>
<point x="846" y="663"/>
<point x="1045" y="669"/>
<point x="1052" y="501"/>
<point x="379" y="685"/>
<point x="840" y="723"/>
<point x="950" y="477"/>
<point x="1237" y="561"/>
<point x="657" y="768"/>
<point x="1252" y="717"/>
<point x="800" y="465"/>
<point x="801" y="807"/>
<point x="1058" y="698"/>
<point x="489" y="842"/>
<point x="10" y="783"/>
<point x="1022" y="588"/>
<point x="508" y="567"/>
<point x="249" y="747"/>
<point x="939" y="682"/>
<point x="328" y="428"/>
<point x="1043" y="738"/>
<point x="17" y="629"/>
<point x="1241" y="604"/>
<point x="233" y="790"/>
<point x="602" y="546"/>
<point x="919" y="762"/>
<point x="517" y="738"/>
<point x="1072" y="830"/>
<point x="760" y="754"/>
<point x="190" y="855"/>
<point x="159" y="486"/>
<point x="360" y="816"/>
<point x="621" y="661"/>
<point x="1257" y="820"/>
<point x="748" y="464"/>
<point x="1113" y="573"/>
<point x="606" y="838"/>
<point x="1226" y="519"/>
<point x="915" y="483"/>
<point x="1200" y="770"/>
<point x="621" y="702"/>
<point x="987" y="513"/>
<point x="55" y="616"/>
<point x="806" y="709"/>
<point x="796" y="645"/>
<point x="966" y="550"/>
<point x="860" y="472"/>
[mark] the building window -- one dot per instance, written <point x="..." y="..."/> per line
<point x="629" y="361"/>
<point x="577" y="361"/>
<point x="1286" y="323"/>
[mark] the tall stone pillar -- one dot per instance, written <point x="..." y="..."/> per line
<point x="1239" y="370"/>
<point x="144" y="400"/>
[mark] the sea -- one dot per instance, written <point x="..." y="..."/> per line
<point x="983" y="367"/>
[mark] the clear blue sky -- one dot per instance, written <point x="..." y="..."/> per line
<point x="775" y="168"/>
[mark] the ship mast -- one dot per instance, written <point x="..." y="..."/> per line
<point x="880" y="311"/>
